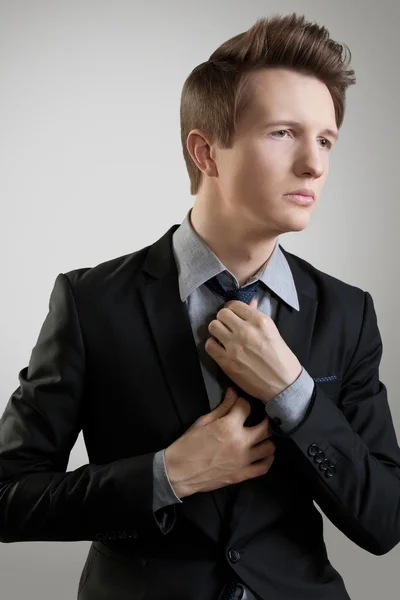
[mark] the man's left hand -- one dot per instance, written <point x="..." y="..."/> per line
<point x="253" y="355"/>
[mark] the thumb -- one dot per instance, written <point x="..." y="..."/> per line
<point x="229" y="400"/>
<point x="222" y="409"/>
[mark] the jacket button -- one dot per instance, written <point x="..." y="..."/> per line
<point x="313" y="450"/>
<point x="319" y="457"/>
<point x="132" y="535"/>
<point x="331" y="470"/>
<point x="233" y="555"/>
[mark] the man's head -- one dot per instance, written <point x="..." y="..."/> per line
<point x="282" y="69"/>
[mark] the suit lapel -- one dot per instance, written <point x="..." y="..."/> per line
<point x="173" y="337"/>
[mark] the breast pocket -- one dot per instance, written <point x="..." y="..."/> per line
<point x="330" y="384"/>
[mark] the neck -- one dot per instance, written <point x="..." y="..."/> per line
<point x="240" y="246"/>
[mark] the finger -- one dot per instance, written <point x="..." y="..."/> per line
<point x="221" y="410"/>
<point x="260" y="432"/>
<point x="230" y="320"/>
<point x="262" y="450"/>
<point x="240" y="411"/>
<point x="220" y="331"/>
<point x="241" y="309"/>
<point x="255" y="469"/>
<point x="229" y="400"/>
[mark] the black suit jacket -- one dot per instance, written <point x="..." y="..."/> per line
<point x="116" y="358"/>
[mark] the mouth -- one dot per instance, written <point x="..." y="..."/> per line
<point x="301" y="199"/>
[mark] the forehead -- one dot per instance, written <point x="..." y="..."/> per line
<point x="278" y="93"/>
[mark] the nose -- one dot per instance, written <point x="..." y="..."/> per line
<point x="310" y="162"/>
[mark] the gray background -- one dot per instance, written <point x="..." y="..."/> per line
<point x="91" y="168"/>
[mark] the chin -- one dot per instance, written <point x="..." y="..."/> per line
<point x="295" y="224"/>
<point x="299" y="228"/>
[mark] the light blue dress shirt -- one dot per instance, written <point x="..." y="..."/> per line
<point x="196" y="264"/>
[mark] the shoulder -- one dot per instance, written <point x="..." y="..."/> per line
<point x="108" y="276"/>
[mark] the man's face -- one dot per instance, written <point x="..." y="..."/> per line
<point x="265" y="162"/>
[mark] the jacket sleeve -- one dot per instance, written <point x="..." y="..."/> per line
<point x="349" y="454"/>
<point x="39" y="500"/>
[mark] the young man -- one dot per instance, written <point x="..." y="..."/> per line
<point x="185" y="496"/>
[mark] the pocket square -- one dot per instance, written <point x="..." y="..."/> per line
<point x="327" y="378"/>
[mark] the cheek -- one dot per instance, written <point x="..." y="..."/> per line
<point x="256" y="166"/>
<point x="265" y="158"/>
<point x="265" y="172"/>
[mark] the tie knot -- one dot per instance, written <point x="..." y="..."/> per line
<point x="244" y="294"/>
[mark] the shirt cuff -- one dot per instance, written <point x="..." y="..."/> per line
<point x="163" y="492"/>
<point x="290" y="406"/>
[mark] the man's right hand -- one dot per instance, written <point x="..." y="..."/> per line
<point x="218" y="450"/>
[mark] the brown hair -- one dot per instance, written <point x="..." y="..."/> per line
<point x="214" y="94"/>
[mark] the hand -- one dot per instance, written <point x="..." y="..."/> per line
<point x="253" y="353"/>
<point x="218" y="450"/>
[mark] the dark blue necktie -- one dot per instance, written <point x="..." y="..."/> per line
<point x="245" y="294"/>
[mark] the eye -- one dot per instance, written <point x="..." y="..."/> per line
<point x="327" y="145"/>
<point x="279" y="131"/>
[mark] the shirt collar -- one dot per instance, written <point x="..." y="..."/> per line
<point x="197" y="263"/>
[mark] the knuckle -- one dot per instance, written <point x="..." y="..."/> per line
<point x="264" y="322"/>
<point x="209" y="344"/>
<point x="246" y="336"/>
<point x="238" y="449"/>
<point x="239" y="443"/>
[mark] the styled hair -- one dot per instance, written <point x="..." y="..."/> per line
<point x="216" y="92"/>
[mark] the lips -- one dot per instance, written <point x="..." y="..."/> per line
<point x="301" y="192"/>
<point x="300" y="199"/>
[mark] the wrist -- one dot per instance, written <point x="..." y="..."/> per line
<point x="284" y="385"/>
<point x="173" y="468"/>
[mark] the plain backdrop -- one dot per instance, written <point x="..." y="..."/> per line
<point x="91" y="168"/>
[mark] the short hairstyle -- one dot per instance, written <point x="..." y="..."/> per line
<point x="215" y="93"/>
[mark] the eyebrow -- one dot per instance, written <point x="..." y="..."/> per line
<point x="327" y="131"/>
